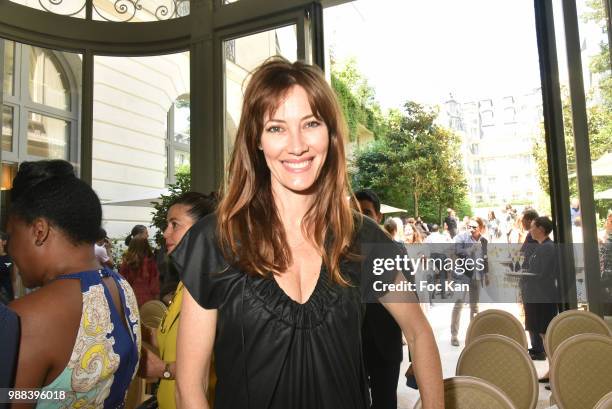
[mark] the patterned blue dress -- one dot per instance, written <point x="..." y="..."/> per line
<point x="105" y="355"/>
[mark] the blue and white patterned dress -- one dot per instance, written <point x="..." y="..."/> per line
<point x="105" y="356"/>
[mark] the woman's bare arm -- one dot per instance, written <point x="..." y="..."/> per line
<point x="195" y="342"/>
<point x="424" y="351"/>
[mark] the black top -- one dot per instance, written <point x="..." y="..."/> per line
<point x="9" y="346"/>
<point x="451" y="222"/>
<point x="270" y="351"/>
<point x="6" y="286"/>
<point x="543" y="263"/>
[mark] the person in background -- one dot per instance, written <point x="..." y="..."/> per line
<point x="140" y="270"/>
<point x="272" y="279"/>
<point x="605" y="259"/>
<point x="536" y="352"/>
<point x="421" y="227"/>
<point x="574" y="209"/>
<point x="80" y="331"/>
<point x="390" y="227"/>
<point x="539" y="290"/>
<point x="183" y="212"/>
<point x="450" y="223"/>
<point x="7" y="273"/>
<point x="101" y="250"/>
<point x="381" y="336"/>
<point x="471" y="245"/>
<point x="439" y="249"/>
<point x="138" y="231"/>
<point x="493" y="227"/>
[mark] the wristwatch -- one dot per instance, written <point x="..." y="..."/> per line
<point x="167" y="374"/>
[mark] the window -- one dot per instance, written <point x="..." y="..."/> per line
<point x="41" y="102"/>
<point x="178" y="137"/>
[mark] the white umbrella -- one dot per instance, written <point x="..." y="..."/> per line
<point x="601" y="167"/>
<point x="143" y="199"/>
<point x="606" y="194"/>
<point x="384" y="209"/>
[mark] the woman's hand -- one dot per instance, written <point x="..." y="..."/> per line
<point x="151" y="365"/>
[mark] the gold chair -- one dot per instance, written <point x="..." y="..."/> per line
<point x="467" y="392"/>
<point x="152" y="313"/>
<point x="605" y="402"/>
<point x="581" y="373"/>
<point x="496" y="322"/>
<point x="570" y="323"/>
<point x="504" y="363"/>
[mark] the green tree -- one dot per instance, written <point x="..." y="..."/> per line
<point x="599" y="114"/>
<point x="357" y="99"/>
<point x="414" y="165"/>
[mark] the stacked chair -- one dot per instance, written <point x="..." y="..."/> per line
<point x="496" y="322"/>
<point x="605" y="402"/>
<point x="504" y="363"/>
<point x="570" y="323"/>
<point x="467" y="392"/>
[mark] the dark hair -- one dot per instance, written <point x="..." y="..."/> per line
<point x="199" y="204"/>
<point x="370" y="196"/>
<point x="138" y="249"/>
<point x="136" y="230"/>
<point x="101" y="234"/>
<point x="530" y="214"/>
<point x="50" y="189"/>
<point x="545" y="223"/>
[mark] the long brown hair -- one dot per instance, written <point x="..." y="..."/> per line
<point x="250" y="231"/>
<point x="136" y="253"/>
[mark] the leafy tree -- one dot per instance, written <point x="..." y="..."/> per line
<point x="415" y="165"/>
<point x="357" y="99"/>
<point x="160" y="210"/>
<point x="599" y="114"/>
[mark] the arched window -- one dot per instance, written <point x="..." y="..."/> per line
<point x="40" y="110"/>
<point x="178" y="137"/>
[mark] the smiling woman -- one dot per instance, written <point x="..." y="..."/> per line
<point x="272" y="279"/>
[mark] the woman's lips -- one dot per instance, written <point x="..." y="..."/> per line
<point x="297" y="166"/>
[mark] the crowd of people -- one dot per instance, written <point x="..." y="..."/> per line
<point x="269" y="280"/>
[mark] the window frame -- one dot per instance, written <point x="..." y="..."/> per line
<point x="22" y="104"/>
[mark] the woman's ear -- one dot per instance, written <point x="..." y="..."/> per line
<point x="40" y="231"/>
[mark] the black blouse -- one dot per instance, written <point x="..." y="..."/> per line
<point x="270" y="351"/>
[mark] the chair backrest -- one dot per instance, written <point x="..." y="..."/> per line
<point x="504" y="363"/>
<point x="581" y="373"/>
<point x="496" y="322"/>
<point x="152" y="313"/>
<point x="605" y="402"/>
<point x="467" y="392"/>
<point x="570" y="323"/>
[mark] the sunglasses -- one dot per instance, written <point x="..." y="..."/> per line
<point x="472" y="227"/>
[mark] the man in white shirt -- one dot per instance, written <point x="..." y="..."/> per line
<point x="100" y="250"/>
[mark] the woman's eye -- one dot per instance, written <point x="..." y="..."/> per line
<point x="313" y="124"/>
<point x="274" y="129"/>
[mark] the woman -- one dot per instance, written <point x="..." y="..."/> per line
<point x="493" y="227"/>
<point x="183" y="212"/>
<point x="539" y="288"/>
<point x="80" y="329"/>
<point x="138" y="232"/>
<point x="140" y="270"/>
<point x="270" y="278"/>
